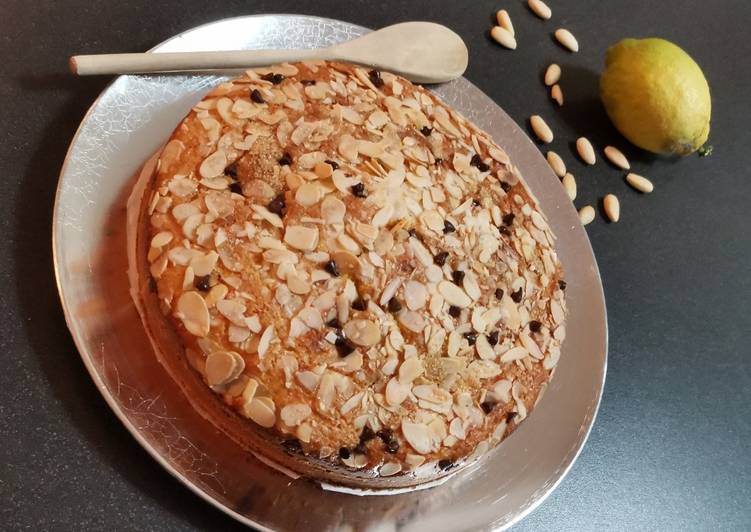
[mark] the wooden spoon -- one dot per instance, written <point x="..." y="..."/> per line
<point x="423" y="52"/>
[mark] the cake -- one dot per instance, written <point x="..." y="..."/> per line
<point x="357" y="277"/>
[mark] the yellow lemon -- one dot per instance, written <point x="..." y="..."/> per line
<point x="656" y="96"/>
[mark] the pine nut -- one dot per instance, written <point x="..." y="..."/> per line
<point x="557" y="94"/>
<point x="585" y="149"/>
<point x="552" y="74"/>
<point x="640" y="183"/>
<point x="541" y="129"/>
<point x="504" y="21"/>
<point x="540" y="9"/>
<point x="567" y="39"/>
<point x="586" y="215"/>
<point x="556" y="163"/>
<point x="503" y="37"/>
<point x="616" y="157"/>
<point x="612" y="207"/>
<point x="569" y="183"/>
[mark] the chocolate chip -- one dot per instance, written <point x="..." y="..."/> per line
<point x="392" y="447"/>
<point x="493" y="337"/>
<point x="517" y="296"/>
<point x="505" y="186"/>
<point x="504" y="230"/>
<point x="562" y="284"/>
<point x="361" y="448"/>
<point x="286" y="159"/>
<point x="445" y="464"/>
<point x="202" y="283"/>
<point x="534" y="326"/>
<point x="231" y="170"/>
<point x="343" y="346"/>
<point x="487" y="406"/>
<point x="331" y="268"/>
<point x="375" y="78"/>
<point x="275" y="79"/>
<point x="236" y="187"/>
<point x="292" y="445"/>
<point x="367" y="434"/>
<point x="457" y="276"/>
<point x="499" y="293"/>
<point x="359" y="190"/>
<point x="334" y="324"/>
<point x="508" y="219"/>
<point x="426" y="130"/>
<point x="448" y="227"/>
<point x="438" y="161"/>
<point x="440" y="258"/>
<point x="477" y="162"/>
<point x="344" y="453"/>
<point x="411" y="231"/>
<point x="359" y="304"/>
<point x="475" y="202"/>
<point x="307" y="82"/>
<point x="334" y="165"/>
<point x="394" y="305"/>
<point x="256" y="96"/>
<point x="510" y="416"/>
<point x="471" y="337"/>
<point x="277" y="205"/>
<point x="386" y="435"/>
<point x="454" y="311"/>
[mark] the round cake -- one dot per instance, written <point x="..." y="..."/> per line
<point x="356" y="275"/>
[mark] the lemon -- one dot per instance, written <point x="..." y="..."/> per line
<point x="656" y="96"/>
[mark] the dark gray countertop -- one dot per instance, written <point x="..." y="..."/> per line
<point x="671" y="448"/>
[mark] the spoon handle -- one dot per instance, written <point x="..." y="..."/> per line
<point x="87" y="65"/>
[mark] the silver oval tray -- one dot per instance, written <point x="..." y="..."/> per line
<point x="124" y="126"/>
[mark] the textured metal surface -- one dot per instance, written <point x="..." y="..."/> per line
<point x="129" y="121"/>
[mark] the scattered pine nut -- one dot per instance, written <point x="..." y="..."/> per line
<point x="503" y="37"/>
<point x="612" y="207"/>
<point x="567" y="39"/>
<point x="504" y="21"/>
<point x="569" y="183"/>
<point x="640" y="183"/>
<point x="585" y="149"/>
<point x="552" y="74"/>
<point x="586" y="215"/>
<point x="556" y="163"/>
<point x="540" y="9"/>
<point x="616" y="157"/>
<point x="541" y="129"/>
<point x="557" y="94"/>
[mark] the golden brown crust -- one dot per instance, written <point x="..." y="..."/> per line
<point x="353" y="266"/>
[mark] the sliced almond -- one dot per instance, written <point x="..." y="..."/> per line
<point x="223" y="367"/>
<point x="515" y="353"/>
<point x="454" y="295"/>
<point x="214" y="164"/>
<point x="294" y="414"/>
<point x="362" y="332"/>
<point x="395" y="392"/>
<point x="332" y="209"/>
<point x="161" y="239"/>
<point x="192" y="310"/>
<point x="260" y="412"/>
<point x="418" y="436"/>
<point x="410" y="370"/>
<point x="301" y="237"/>
<point x="415" y="295"/>
<point x="308" y="194"/>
